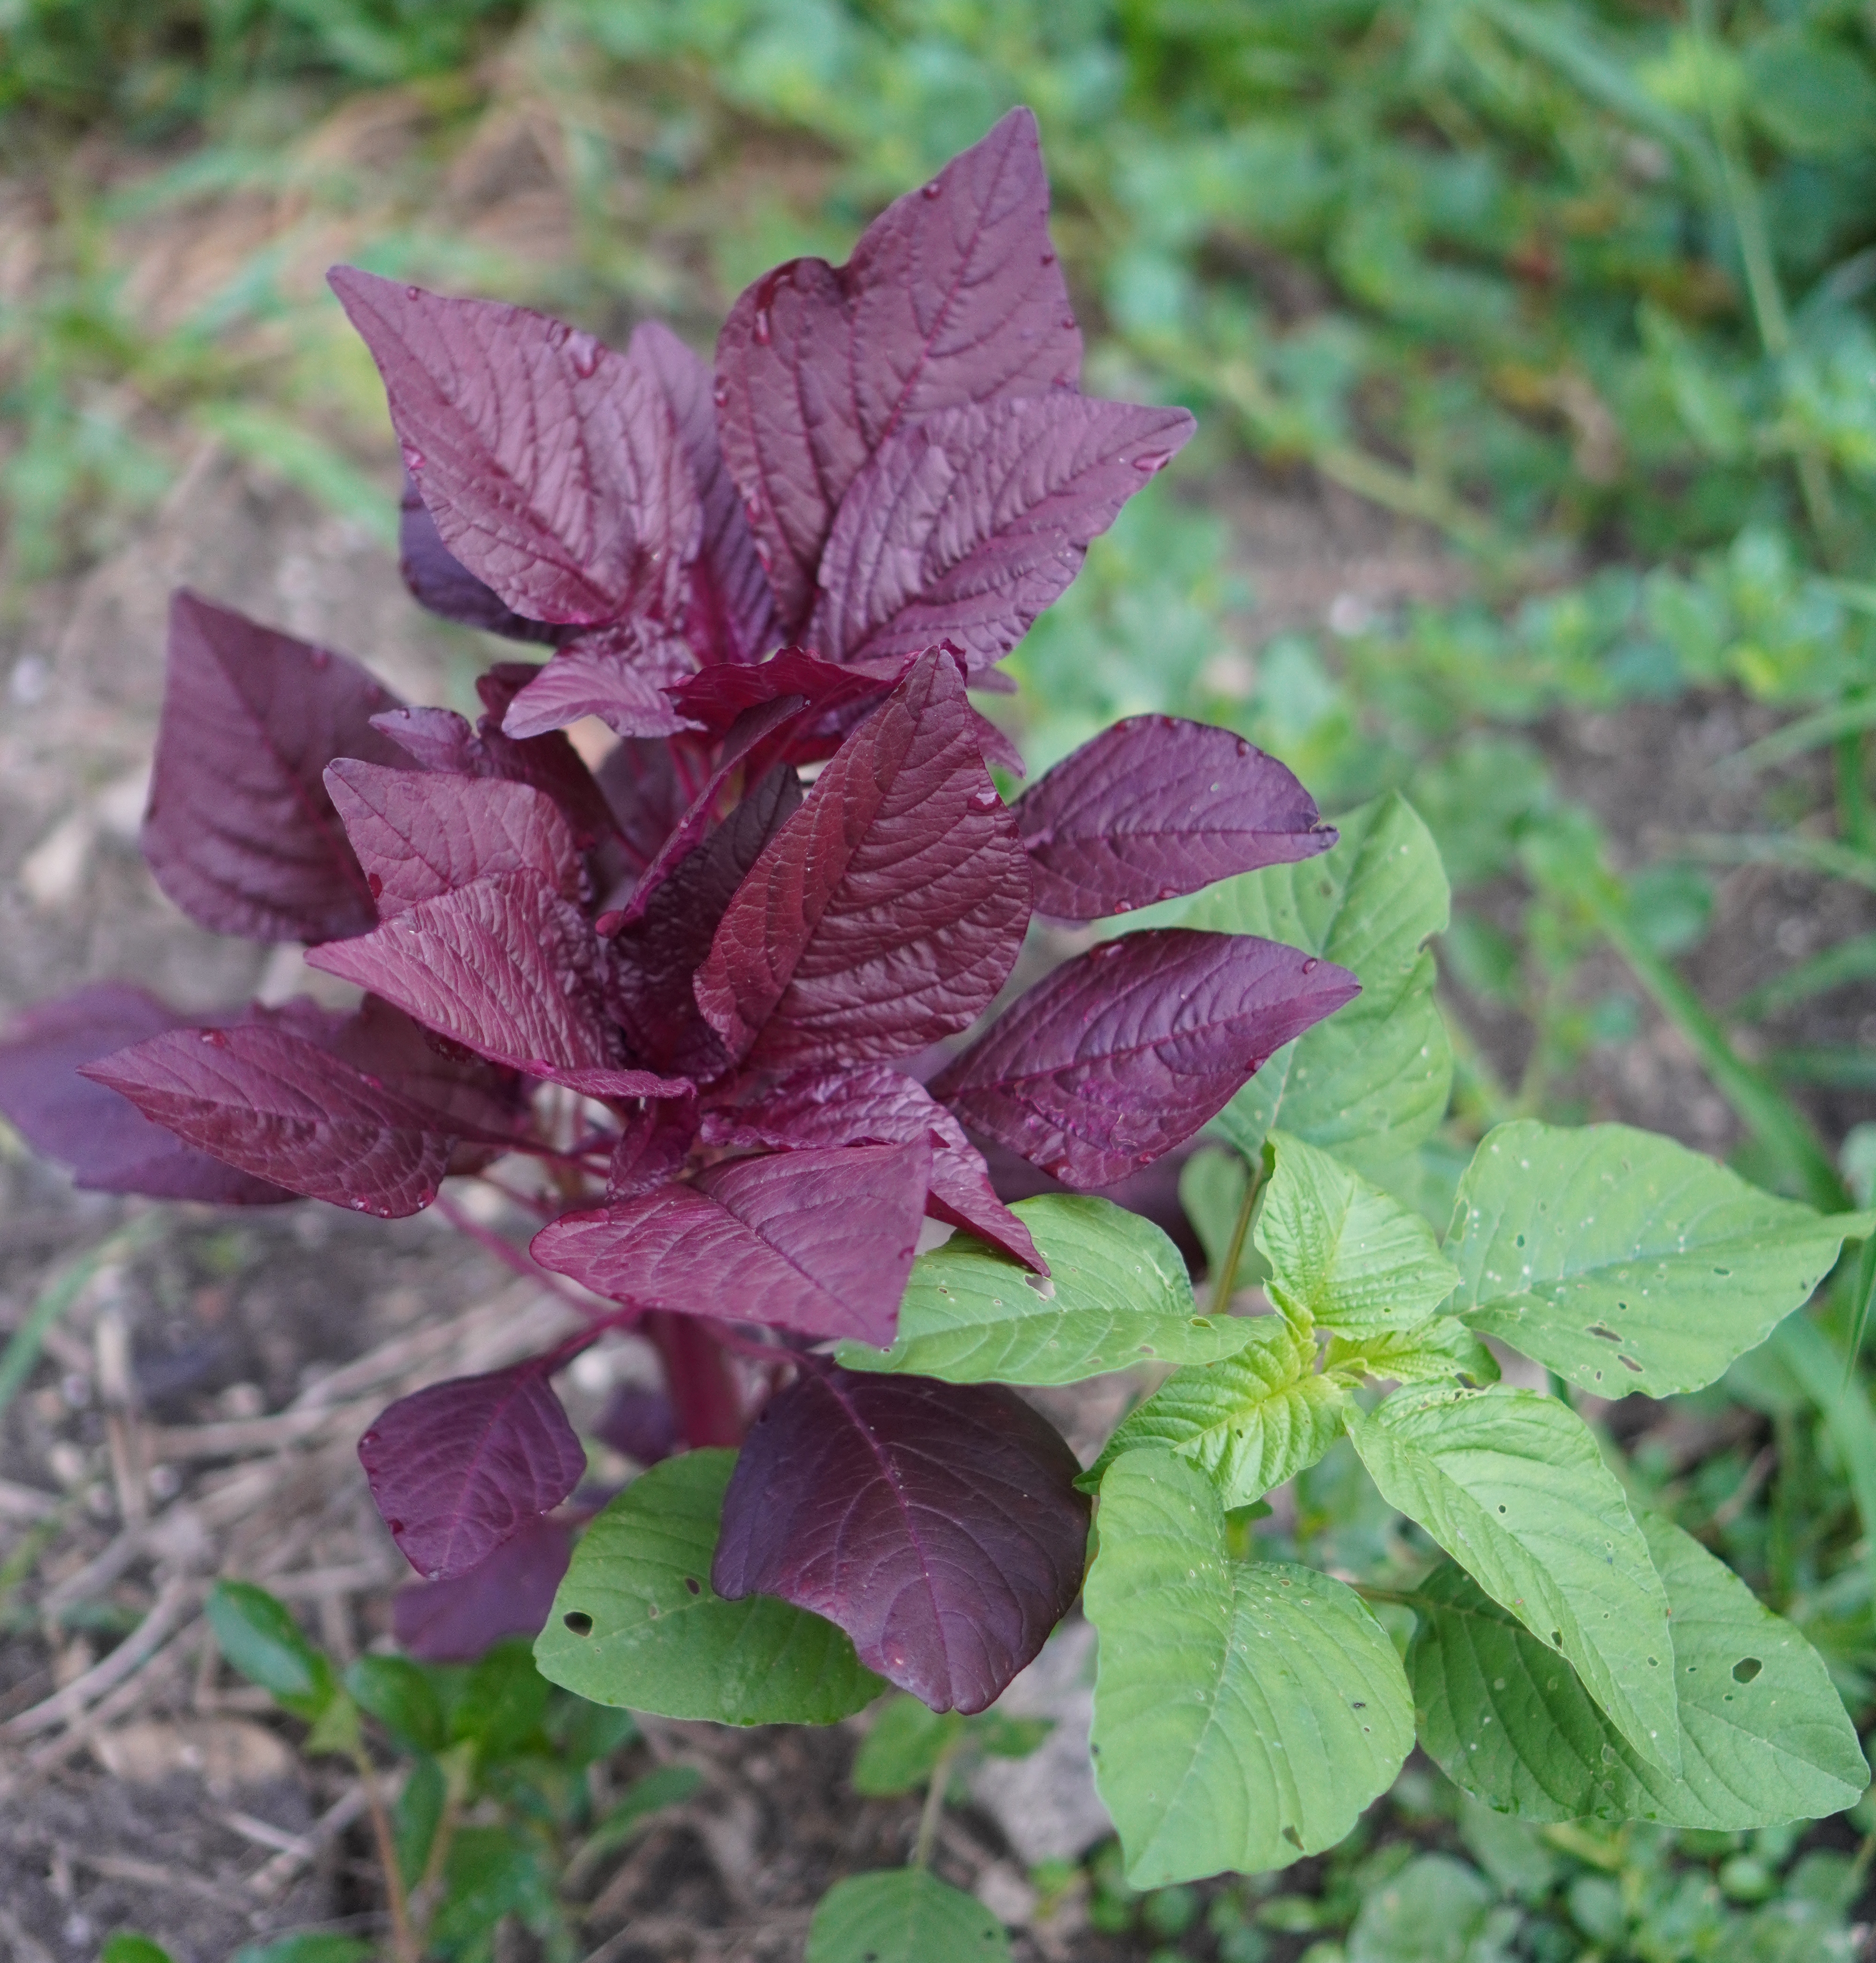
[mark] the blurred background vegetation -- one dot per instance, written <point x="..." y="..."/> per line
<point x="1579" y="295"/>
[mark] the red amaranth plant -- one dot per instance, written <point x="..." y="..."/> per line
<point x="694" y="987"/>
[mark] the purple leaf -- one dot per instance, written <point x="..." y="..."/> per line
<point x="509" y="1594"/>
<point x="953" y="296"/>
<point x="1156" y="806"/>
<point x="440" y="581"/>
<point x="877" y="1105"/>
<point x="505" y="966"/>
<point x="654" y="1146"/>
<point x="240" y="833"/>
<point x="647" y="786"/>
<point x="281" y="1107"/>
<point x="965" y="526"/>
<point x="418" y="833"/>
<point x="551" y="464"/>
<point x="642" y="1424"/>
<point x="109" y="1145"/>
<point x="1124" y="1051"/>
<point x="461" y="1467"/>
<point x="819" y="1243"/>
<point x="618" y="673"/>
<point x="730" y="612"/>
<point x="549" y="762"/>
<point x="482" y="1102"/>
<point x="937" y="1524"/>
<point x="889" y="910"/>
<point x="654" y="957"/>
<point x="706" y="808"/>
<point x="712" y="698"/>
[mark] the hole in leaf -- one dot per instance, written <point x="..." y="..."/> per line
<point x="1602" y="1330"/>
<point x="579" y="1622"/>
<point x="1746" y="1668"/>
<point x="1501" y="1510"/>
<point x="693" y="1584"/>
<point x="1629" y="1364"/>
<point x="1557" y="1637"/>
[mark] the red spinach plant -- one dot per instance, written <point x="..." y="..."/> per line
<point x="715" y="999"/>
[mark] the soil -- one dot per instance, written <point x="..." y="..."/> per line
<point x="169" y="1801"/>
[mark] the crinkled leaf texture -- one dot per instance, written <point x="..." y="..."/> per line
<point x="440" y="580"/>
<point x="110" y="1145"/>
<point x="877" y="1105"/>
<point x="1245" y="1712"/>
<point x="638" y="1622"/>
<point x="714" y="698"/>
<point x="1765" y="1738"/>
<point x="889" y="910"/>
<point x="279" y="1106"/>
<point x="938" y="1524"/>
<point x="504" y="965"/>
<point x="1251" y="1420"/>
<point x="965" y="526"/>
<point x="1511" y="1483"/>
<point x="1372" y="1083"/>
<point x="1342" y="1253"/>
<point x="619" y="673"/>
<point x="1116" y="1296"/>
<point x="458" y="1467"/>
<point x="420" y="833"/>
<point x="509" y="1594"/>
<point x="1443" y="1349"/>
<point x="1156" y="806"/>
<point x="904" y="1915"/>
<point x="953" y="296"/>
<point x="1626" y="1262"/>
<point x="1125" y="1052"/>
<point x="239" y="830"/>
<point x="551" y="464"/>
<point x="817" y="1242"/>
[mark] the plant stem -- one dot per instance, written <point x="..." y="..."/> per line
<point x="404" y="1945"/>
<point x="696" y="1374"/>
<point x="509" y="1256"/>
<point x="935" y="1803"/>
<point x="1222" y="1286"/>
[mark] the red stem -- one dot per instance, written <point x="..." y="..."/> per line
<point x="512" y="1257"/>
<point x="697" y="1375"/>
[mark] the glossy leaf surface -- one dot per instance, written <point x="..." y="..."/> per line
<point x="239" y="830"/>
<point x="618" y="673"/>
<point x="282" y="1108"/>
<point x="440" y="580"/>
<point x="551" y="464"/>
<point x="1125" y="1052"/>
<point x="457" y="1468"/>
<point x="938" y="1524"/>
<point x="818" y="1242"/>
<point x="1156" y="806"/>
<point x="1116" y="1296"/>
<point x="1625" y="1262"/>
<point x="953" y="296"/>
<point x="1511" y="1483"/>
<point x="1245" y="1712"/>
<point x="638" y="1622"/>
<point x="889" y="910"/>
<point x="1765" y="1738"/>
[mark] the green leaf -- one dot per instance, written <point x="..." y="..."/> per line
<point x="582" y="1733"/>
<point x="130" y="1945"/>
<point x="1251" y="1421"/>
<point x="1342" y="1253"/>
<point x="309" y="1946"/>
<point x="907" y="1741"/>
<point x="1810" y="94"/>
<point x="1625" y="1262"/>
<point x="503" y="1702"/>
<point x="636" y="1622"/>
<point x="1433" y="1911"/>
<point x="416" y="1817"/>
<point x="400" y="1694"/>
<point x="904" y="1916"/>
<point x="1372" y="1081"/>
<point x="1510" y="1483"/>
<point x="1244" y="1712"/>
<point x="259" y="1637"/>
<point x="663" y="1786"/>
<point x="489" y="1873"/>
<point x="1117" y="1295"/>
<point x="1442" y="1348"/>
<point x="1759" y="1746"/>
